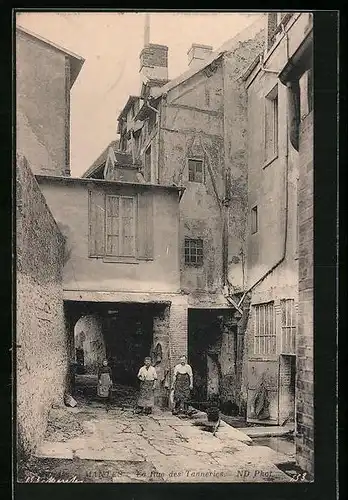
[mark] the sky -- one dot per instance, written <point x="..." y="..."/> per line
<point x="110" y="43"/>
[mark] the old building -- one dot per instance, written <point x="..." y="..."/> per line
<point x="98" y="260"/>
<point x="45" y="74"/>
<point x="278" y="375"/>
<point x="191" y="132"/>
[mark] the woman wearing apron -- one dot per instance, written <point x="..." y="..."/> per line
<point x="182" y="385"/>
<point x="104" y="382"/>
<point x="147" y="376"/>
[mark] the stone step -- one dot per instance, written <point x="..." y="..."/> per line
<point x="267" y="431"/>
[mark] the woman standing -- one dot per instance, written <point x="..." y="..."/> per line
<point x="104" y="381"/>
<point x="147" y="376"/>
<point x="182" y="385"/>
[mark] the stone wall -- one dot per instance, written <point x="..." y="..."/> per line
<point x="305" y="386"/>
<point x="41" y="338"/>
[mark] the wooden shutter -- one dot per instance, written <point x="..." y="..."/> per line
<point x="96" y="220"/>
<point x="145" y="232"/>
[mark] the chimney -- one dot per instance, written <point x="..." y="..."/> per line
<point x="154" y="63"/>
<point x="198" y="53"/>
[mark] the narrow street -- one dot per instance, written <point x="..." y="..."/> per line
<point x="92" y="443"/>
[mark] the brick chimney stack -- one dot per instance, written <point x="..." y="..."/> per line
<point x="154" y="63"/>
<point x="198" y="53"/>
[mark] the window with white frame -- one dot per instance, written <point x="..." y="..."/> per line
<point x="265" y="333"/>
<point x="271" y="125"/>
<point x="120" y="226"/>
<point x="288" y="336"/>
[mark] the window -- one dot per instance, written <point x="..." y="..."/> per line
<point x="274" y="20"/>
<point x="306" y="93"/>
<point x="147" y="166"/>
<point x="265" y="335"/>
<point x="195" y="170"/>
<point x="271" y="125"/>
<point x="193" y="252"/>
<point x="120" y="226"/>
<point x="288" y="339"/>
<point x="254" y="220"/>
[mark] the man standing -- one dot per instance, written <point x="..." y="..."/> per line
<point x="147" y="376"/>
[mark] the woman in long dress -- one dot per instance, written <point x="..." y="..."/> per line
<point x="182" y="385"/>
<point x="147" y="376"/>
<point x="104" y="381"/>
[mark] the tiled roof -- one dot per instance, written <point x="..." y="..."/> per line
<point x="99" y="163"/>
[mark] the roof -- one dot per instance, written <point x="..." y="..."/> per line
<point x="131" y="100"/>
<point x="247" y="33"/>
<point x="102" y="182"/>
<point x="100" y="161"/>
<point x="76" y="61"/>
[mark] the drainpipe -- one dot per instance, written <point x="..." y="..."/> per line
<point x="225" y="204"/>
<point x="158" y="137"/>
<point x="159" y="142"/>
<point x="286" y="216"/>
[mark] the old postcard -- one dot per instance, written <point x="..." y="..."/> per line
<point x="164" y="186"/>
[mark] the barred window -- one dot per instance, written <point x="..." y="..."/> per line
<point x="288" y="340"/>
<point x="265" y="334"/>
<point x="193" y="251"/>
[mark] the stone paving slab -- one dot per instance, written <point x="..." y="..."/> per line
<point x="54" y="450"/>
<point x="113" y="454"/>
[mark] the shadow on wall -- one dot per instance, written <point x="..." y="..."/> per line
<point x="89" y="343"/>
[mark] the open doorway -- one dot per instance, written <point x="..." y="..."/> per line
<point x="212" y="349"/>
<point x="128" y="334"/>
<point x="122" y="333"/>
<point x="287" y="387"/>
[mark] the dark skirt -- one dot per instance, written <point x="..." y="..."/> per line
<point x="182" y="387"/>
<point x="146" y="396"/>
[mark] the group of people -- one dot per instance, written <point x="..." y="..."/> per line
<point x="182" y="384"/>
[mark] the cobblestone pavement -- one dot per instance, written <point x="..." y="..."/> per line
<point x="156" y="448"/>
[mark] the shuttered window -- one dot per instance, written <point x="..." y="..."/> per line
<point x="288" y="337"/>
<point x="264" y="333"/>
<point x="121" y="226"/>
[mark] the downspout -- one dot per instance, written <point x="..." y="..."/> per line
<point x="225" y="204"/>
<point x="159" y="115"/>
<point x="285" y="221"/>
<point x="159" y="141"/>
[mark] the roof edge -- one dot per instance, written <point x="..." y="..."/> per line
<point x="72" y="180"/>
<point x="78" y="60"/>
